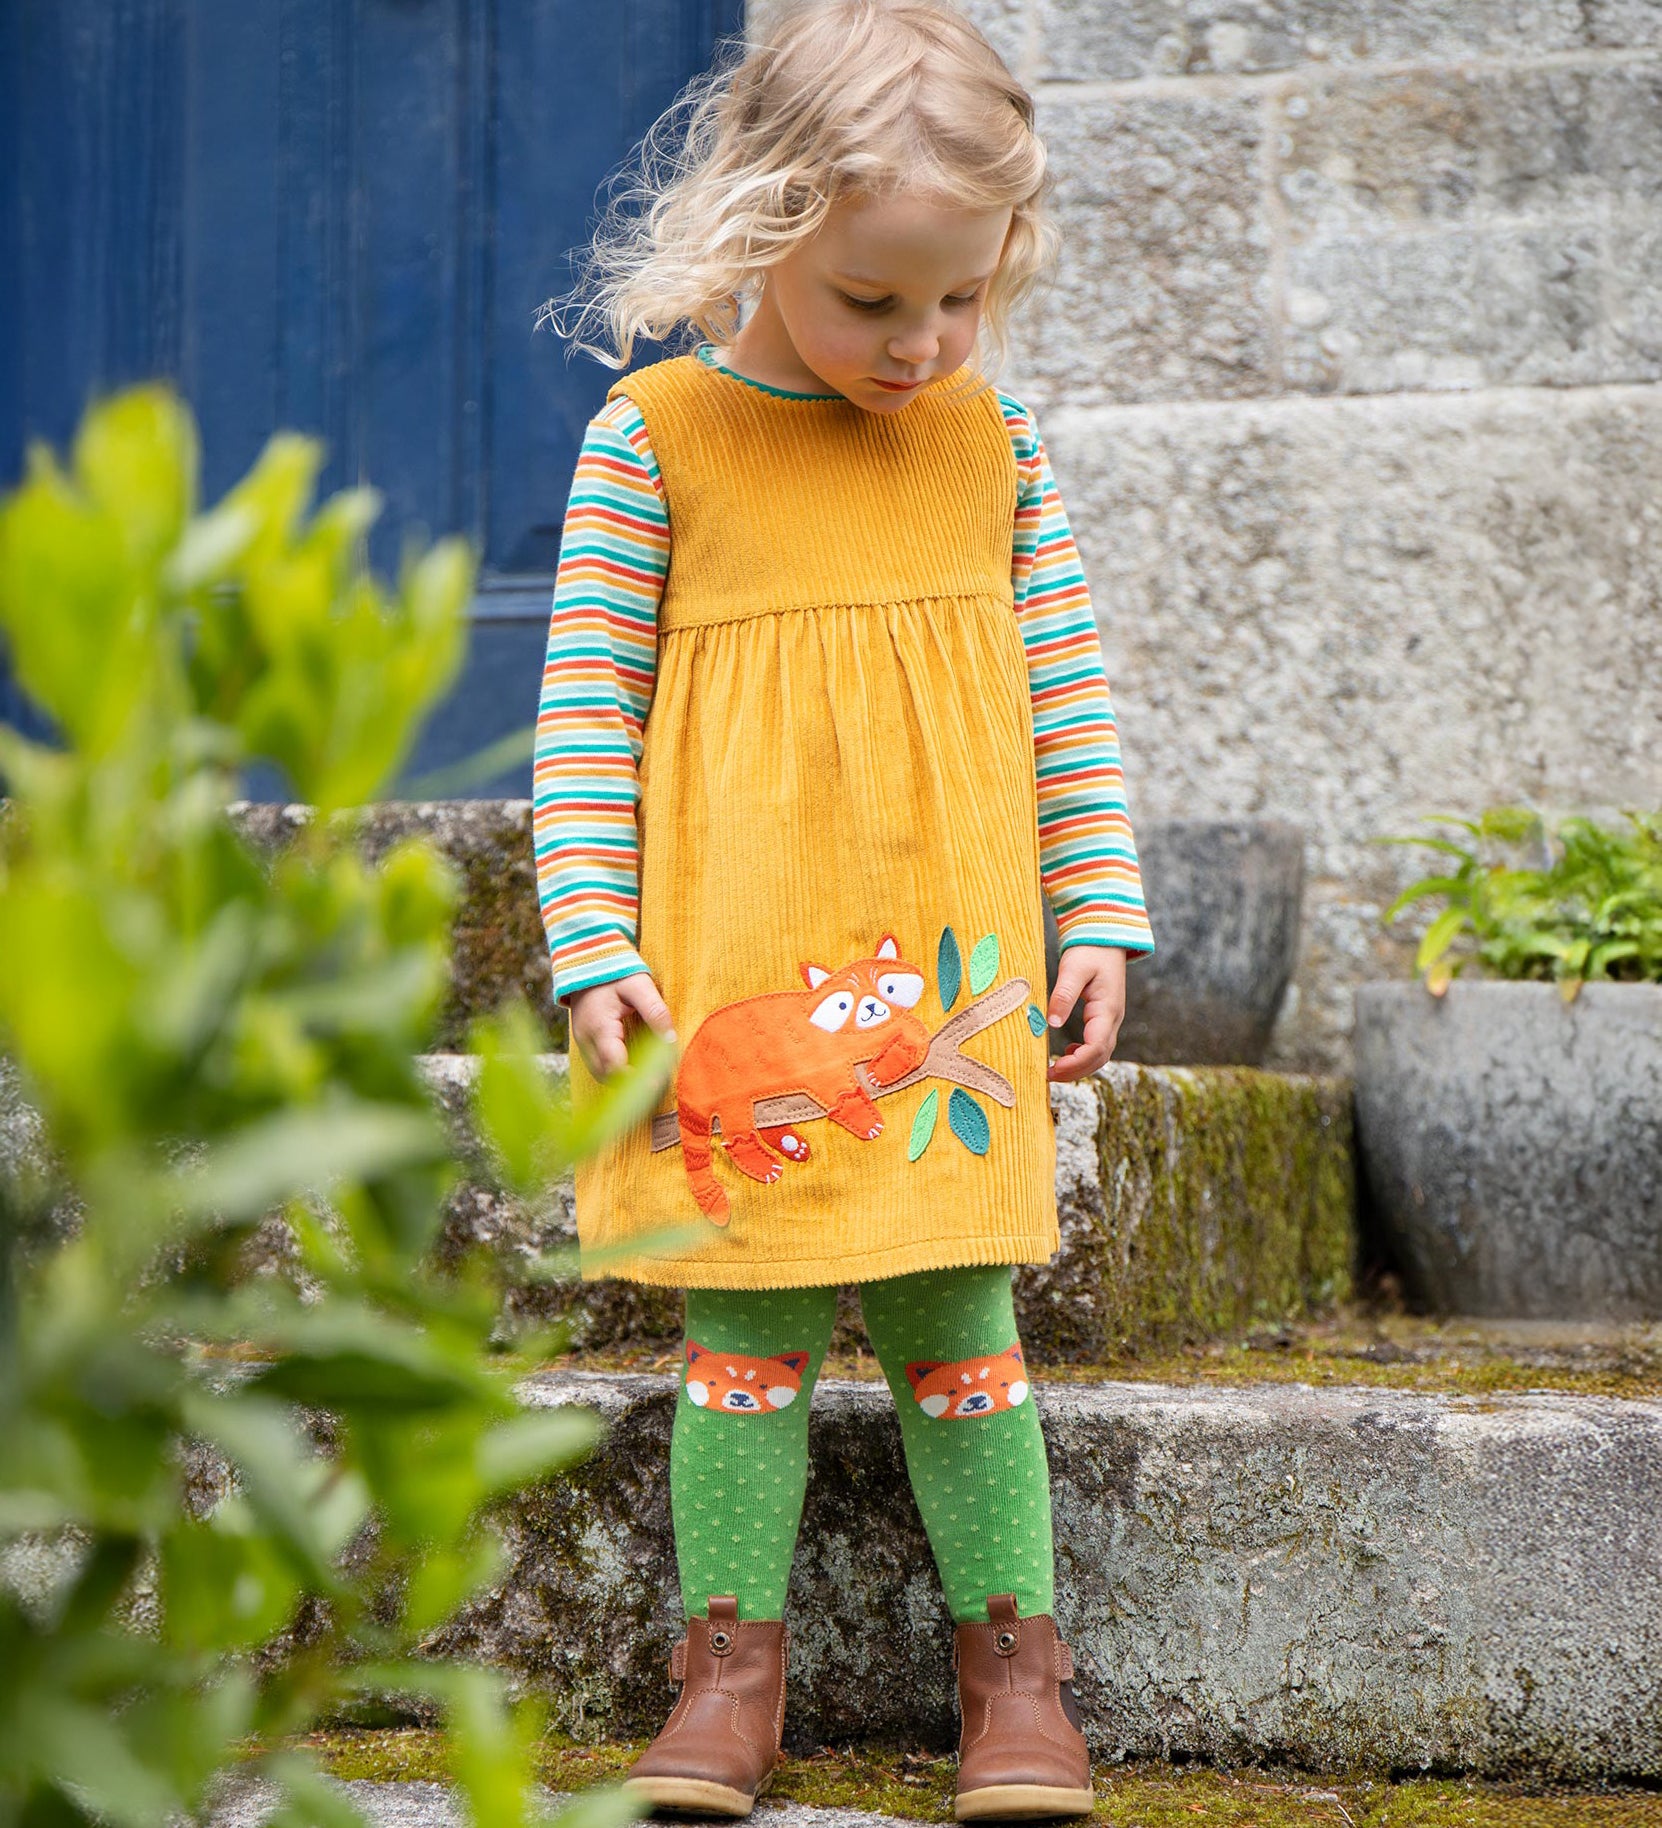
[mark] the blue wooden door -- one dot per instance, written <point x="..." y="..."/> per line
<point x="341" y="216"/>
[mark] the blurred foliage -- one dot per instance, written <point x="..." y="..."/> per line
<point x="1579" y="904"/>
<point x="210" y="1040"/>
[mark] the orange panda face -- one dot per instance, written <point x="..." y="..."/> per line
<point x="970" y="1386"/>
<point x="863" y="995"/>
<point x="740" y="1385"/>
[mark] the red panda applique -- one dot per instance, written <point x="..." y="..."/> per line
<point x="970" y="1386"/>
<point x="795" y="1041"/>
<point x="740" y="1385"/>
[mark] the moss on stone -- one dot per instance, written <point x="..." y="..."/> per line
<point x="1256" y="1191"/>
<point x="1353" y="1344"/>
<point x="1213" y="1198"/>
<point x="919" y="1788"/>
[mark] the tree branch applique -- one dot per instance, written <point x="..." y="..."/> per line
<point x="760" y="1070"/>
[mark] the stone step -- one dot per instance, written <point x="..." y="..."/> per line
<point x="1337" y="1578"/>
<point x="1194" y="1201"/>
<point x="431" y="1805"/>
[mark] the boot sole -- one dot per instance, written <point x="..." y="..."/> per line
<point x="1014" y="1801"/>
<point x="697" y="1794"/>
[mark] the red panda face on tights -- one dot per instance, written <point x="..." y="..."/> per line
<point x="738" y="1385"/>
<point x="970" y="1386"/>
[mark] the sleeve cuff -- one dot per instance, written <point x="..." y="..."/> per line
<point x="596" y="971"/>
<point x="1138" y="940"/>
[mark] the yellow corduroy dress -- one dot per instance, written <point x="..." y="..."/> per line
<point x="839" y="854"/>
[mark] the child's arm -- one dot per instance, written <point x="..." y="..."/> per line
<point x="1087" y="854"/>
<point x="597" y="687"/>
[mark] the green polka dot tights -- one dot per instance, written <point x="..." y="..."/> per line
<point x="947" y="1342"/>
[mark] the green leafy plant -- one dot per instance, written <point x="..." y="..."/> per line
<point x="208" y="1040"/>
<point x="1574" y="905"/>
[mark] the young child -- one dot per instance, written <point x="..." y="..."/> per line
<point x="823" y="718"/>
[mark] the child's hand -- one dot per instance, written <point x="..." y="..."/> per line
<point x="1098" y="971"/>
<point x="601" y="1017"/>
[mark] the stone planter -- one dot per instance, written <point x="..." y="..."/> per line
<point x="1511" y="1145"/>
<point x="1224" y="898"/>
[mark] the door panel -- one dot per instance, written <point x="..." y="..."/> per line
<point x="340" y="216"/>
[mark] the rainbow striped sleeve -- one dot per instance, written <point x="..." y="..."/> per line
<point x="1087" y="856"/>
<point x="596" y="686"/>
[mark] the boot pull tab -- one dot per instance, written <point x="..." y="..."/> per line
<point x="723" y="1615"/>
<point x="678" y="1663"/>
<point x="1001" y="1611"/>
<point x="1064" y="1658"/>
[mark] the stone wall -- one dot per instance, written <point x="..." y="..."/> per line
<point x="1350" y="384"/>
<point x="1332" y="1578"/>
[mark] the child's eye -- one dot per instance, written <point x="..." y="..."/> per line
<point x="878" y="304"/>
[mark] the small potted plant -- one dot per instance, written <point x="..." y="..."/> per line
<point x="1509" y="1108"/>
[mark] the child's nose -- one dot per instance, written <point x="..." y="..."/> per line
<point x="913" y="351"/>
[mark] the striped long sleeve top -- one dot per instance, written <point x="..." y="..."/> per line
<point x="597" y="694"/>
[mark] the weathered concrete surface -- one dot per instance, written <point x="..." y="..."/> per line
<point x="426" y="1805"/>
<point x="1513" y="1144"/>
<point x="1337" y="1577"/>
<point x="1352" y="613"/>
<point x="1084" y="41"/>
<point x="1224" y="899"/>
<point x="499" y="946"/>
<point x="1456" y="227"/>
<point x="249" y="1804"/>
<point x="1348" y="229"/>
<point x="1192" y="1201"/>
<point x="1164" y="284"/>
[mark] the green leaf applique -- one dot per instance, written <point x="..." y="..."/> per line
<point x="983" y="964"/>
<point x="949" y="967"/>
<point x="968" y="1120"/>
<point x="923" y="1125"/>
<point x="1035" y="1018"/>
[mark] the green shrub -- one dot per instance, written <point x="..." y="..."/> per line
<point x="209" y="1040"/>
<point x="1578" y="904"/>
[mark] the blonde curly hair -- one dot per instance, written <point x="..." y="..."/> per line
<point x="836" y="100"/>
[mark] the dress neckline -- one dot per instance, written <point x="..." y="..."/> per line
<point x="706" y="353"/>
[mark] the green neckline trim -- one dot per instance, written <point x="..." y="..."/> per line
<point x="706" y="354"/>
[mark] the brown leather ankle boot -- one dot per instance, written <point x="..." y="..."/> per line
<point x="1020" y="1750"/>
<point x="720" y="1744"/>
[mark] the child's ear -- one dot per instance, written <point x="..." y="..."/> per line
<point x="915" y="1374"/>
<point x="792" y="1361"/>
<point x="696" y="1352"/>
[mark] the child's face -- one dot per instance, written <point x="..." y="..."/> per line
<point x="886" y="291"/>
